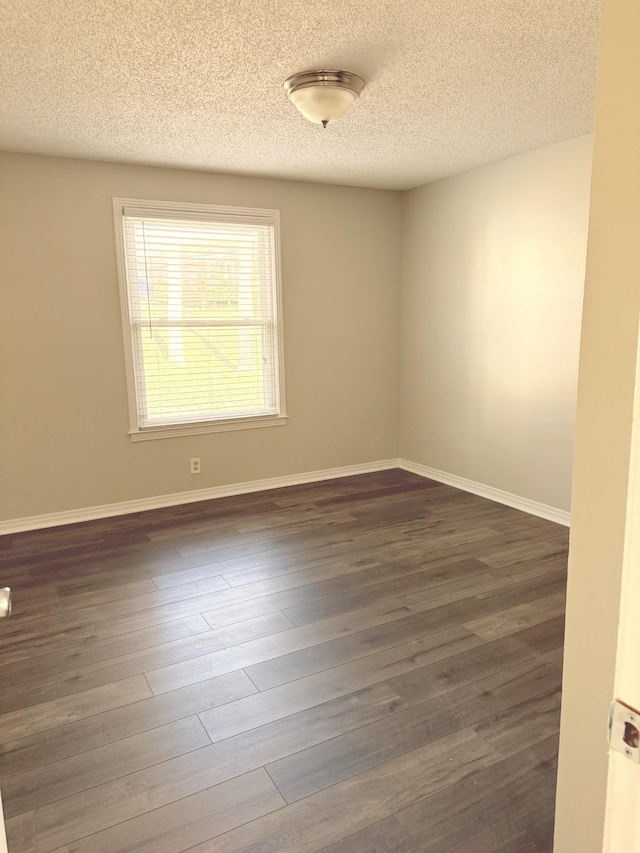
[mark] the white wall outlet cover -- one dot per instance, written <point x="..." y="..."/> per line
<point x="624" y="730"/>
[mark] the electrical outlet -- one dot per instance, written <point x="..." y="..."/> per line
<point x="195" y="466"/>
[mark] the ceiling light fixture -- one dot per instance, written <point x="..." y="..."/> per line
<point x="324" y="96"/>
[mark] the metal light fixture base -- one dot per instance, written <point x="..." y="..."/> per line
<point x="324" y="96"/>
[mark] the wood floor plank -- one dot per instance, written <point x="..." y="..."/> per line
<point x="448" y="571"/>
<point x="23" y="645"/>
<point x="538" y="838"/>
<point x="76" y="679"/>
<point x="93" y="571"/>
<point x="457" y="546"/>
<point x="57" y="712"/>
<point x="289" y="667"/>
<point x="388" y="648"/>
<point x="295" y="696"/>
<point x="519" y="727"/>
<point x="285" y="736"/>
<point x="234" y="756"/>
<point x="108" y="606"/>
<point x="348" y="547"/>
<point x="544" y="637"/>
<point x="278" y="520"/>
<point x="237" y="552"/>
<point x="303" y="518"/>
<point x="93" y="651"/>
<point x="539" y="586"/>
<point x="486" y="693"/>
<point x="523" y="790"/>
<point x="308" y="825"/>
<point x="76" y="598"/>
<point x="192" y="598"/>
<point x="185" y="530"/>
<point x="180" y="825"/>
<point x="325" y="579"/>
<point x="21" y="834"/>
<point x="147" y="790"/>
<point x="356" y="597"/>
<point x="30" y="595"/>
<point x="36" y="788"/>
<point x="293" y="558"/>
<point x="162" y="602"/>
<point x="403" y="490"/>
<point x="455" y="671"/>
<point x="555" y="657"/>
<point x="454" y="590"/>
<point x="528" y="522"/>
<point x="248" y="654"/>
<point x="518" y="617"/>
<point x="512" y="709"/>
<point x="526" y="551"/>
<point x="96" y="809"/>
<point x="151" y="618"/>
<point x="228" y="614"/>
<point x="318" y="767"/>
<point x="521" y="568"/>
<point x="265" y="557"/>
<point x="72" y="738"/>
<point x="386" y="836"/>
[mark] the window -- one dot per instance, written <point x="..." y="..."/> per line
<point x="201" y="311"/>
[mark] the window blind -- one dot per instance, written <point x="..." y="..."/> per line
<point x="202" y="311"/>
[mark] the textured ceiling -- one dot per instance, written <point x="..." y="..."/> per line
<point x="451" y="84"/>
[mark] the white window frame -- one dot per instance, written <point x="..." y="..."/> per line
<point x="176" y="210"/>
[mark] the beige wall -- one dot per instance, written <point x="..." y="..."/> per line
<point x="63" y="415"/>
<point x="492" y="274"/>
<point x="492" y="281"/>
<point x="607" y="383"/>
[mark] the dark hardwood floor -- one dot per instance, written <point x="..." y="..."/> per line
<point x="356" y="666"/>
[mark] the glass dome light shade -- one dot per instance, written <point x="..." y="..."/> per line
<point x="323" y="103"/>
<point x="323" y="97"/>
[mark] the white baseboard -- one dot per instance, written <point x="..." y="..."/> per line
<point x="551" y="513"/>
<point x="55" y="519"/>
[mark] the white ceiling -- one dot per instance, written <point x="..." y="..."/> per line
<point x="451" y="84"/>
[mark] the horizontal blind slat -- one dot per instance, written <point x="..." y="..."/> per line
<point x="203" y="310"/>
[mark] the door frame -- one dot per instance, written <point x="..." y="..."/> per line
<point x="622" y="812"/>
<point x="3" y="837"/>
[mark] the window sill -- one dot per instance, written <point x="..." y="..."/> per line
<point x="149" y="433"/>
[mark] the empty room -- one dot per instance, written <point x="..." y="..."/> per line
<point x="319" y="467"/>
